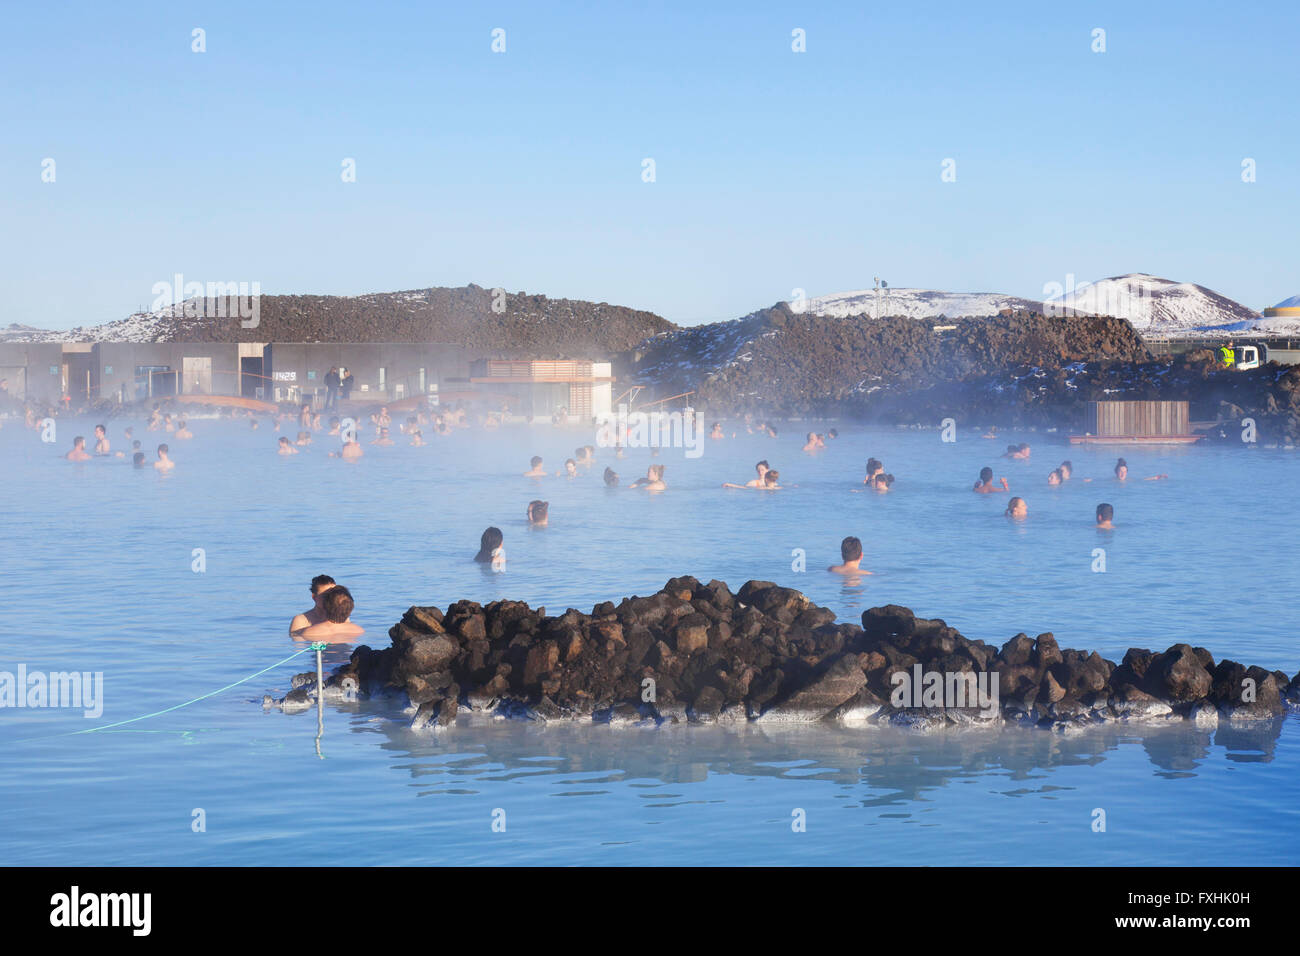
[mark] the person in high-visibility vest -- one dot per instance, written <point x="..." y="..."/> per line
<point x="1226" y="355"/>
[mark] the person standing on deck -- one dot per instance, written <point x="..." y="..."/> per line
<point x="331" y="387"/>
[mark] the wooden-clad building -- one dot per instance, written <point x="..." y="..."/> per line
<point x="1131" y="422"/>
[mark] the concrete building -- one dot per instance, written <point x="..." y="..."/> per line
<point x="290" y="372"/>
<point x="33" y="370"/>
<point x="383" y="372"/>
<point x="131" y="371"/>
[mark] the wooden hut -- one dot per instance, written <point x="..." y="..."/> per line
<point x="1129" y="422"/>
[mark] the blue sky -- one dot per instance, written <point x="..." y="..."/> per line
<point x="774" y="170"/>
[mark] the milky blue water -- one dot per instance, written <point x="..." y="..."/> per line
<point x="96" y="563"/>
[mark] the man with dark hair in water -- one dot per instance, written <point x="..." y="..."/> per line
<point x="985" y="485"/>
<point x="1105" y="517"/>
<point x="78" y="452"/>
<point x="337" y="606"/>
<point x="538" y="513"/>
<point x="102" y="446"/>
<point x="320" y="584"/>
<point x="851" y="553"/>
<point x="611" y="478"/>
<point x="164" y="462"/>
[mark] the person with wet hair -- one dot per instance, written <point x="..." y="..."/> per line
<point x="286" y="447"/>
<point x="585" y="455"/>
<point x="1066" y="470"/>
<point x="653" y="480"/>
<point x="164" y="462"/>
<point x="1016" y="509"/>
<point x="304" y="438"/>
<point x="759" y="482"/>
<point x="874" y="467"/>
<point x="1105" y="517"/>
<point x="316" y="613"/>
<point x="492" y="549"/>
<point x="182" y="430"/>
<point x="882" y="482"/>
<point x="78" y="452"/>
<point x="1121" y="470"/>
<point x="337" y="627"/>
<point x="715" y="432"/>
<point x="538" y="513"/>
<point x="350" y="451"/>
<point x="611" y="478"/>
<point x="535" y="470"/>
<point x="1055" y="478"/>
<point x="985" y="485"/>
<point x="102" y="446"/>
<point x="851" y="558"/>
<point x="570" y="469"/>
<point x="137" y="460"/>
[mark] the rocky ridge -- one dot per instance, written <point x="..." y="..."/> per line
<point x="697" y="653"/>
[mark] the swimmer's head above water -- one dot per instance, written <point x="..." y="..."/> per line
<point x="538" y="512"/>
<point x="1016" y="508"/>
<point x="491" y="540"/>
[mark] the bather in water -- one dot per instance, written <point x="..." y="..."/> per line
<point x="492" y="550"/>
<point x="985" y="485"/>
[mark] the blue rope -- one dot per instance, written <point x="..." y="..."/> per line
<point x="319" y="645"/>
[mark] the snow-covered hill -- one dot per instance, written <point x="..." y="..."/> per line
<point x="140" y="327"/>
<point x="913" y="303"/>
<point x="1151" y="303"/>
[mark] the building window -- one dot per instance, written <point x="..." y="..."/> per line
<point x="311" y="376"/>
<point x="383" y="378"/>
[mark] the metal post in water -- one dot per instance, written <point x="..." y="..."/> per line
<point x="320" y="697"/>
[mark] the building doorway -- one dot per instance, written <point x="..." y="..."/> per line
<point x="197" y="375"/>
<point x="250" y="376"/>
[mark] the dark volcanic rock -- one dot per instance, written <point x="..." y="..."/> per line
<point x="699" y="652"/>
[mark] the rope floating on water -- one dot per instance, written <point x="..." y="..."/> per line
<point x="318" y="646"/>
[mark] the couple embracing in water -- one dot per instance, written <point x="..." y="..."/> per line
<point x="330" y="617"/>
